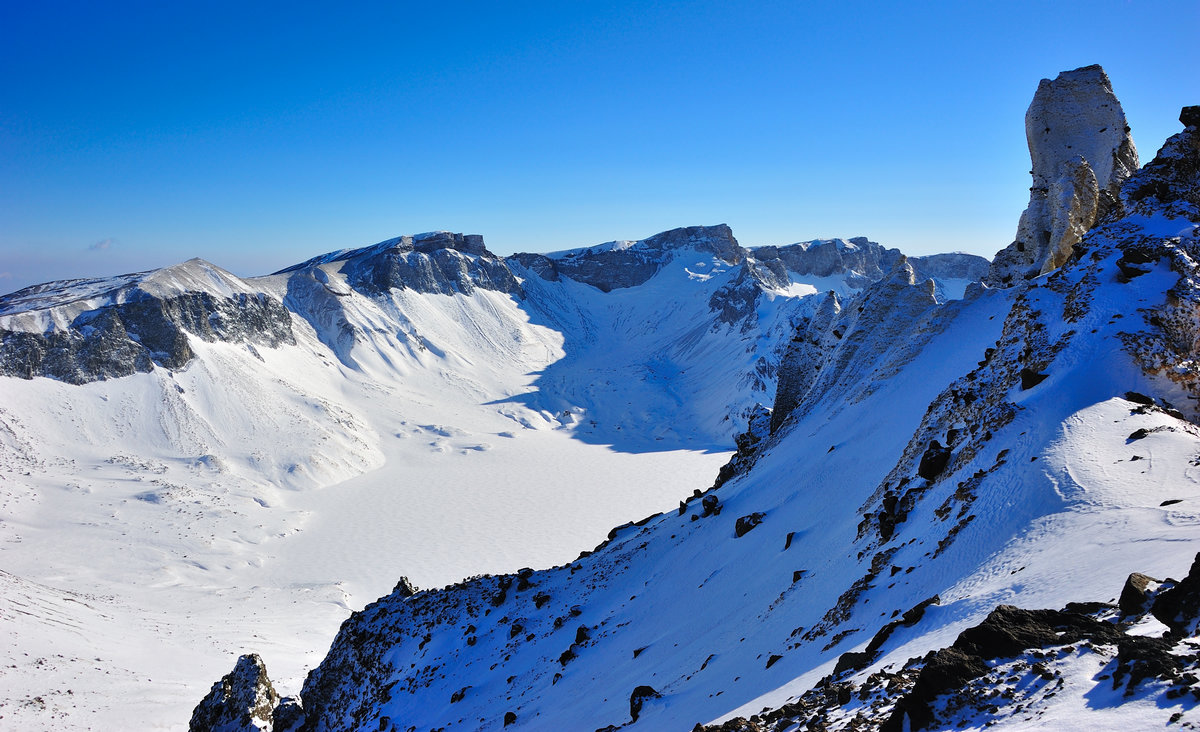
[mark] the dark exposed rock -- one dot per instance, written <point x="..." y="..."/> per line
<point x="1171" y="179"/>
<point x="749" y="443"/>
<point x="711" y="505"/>
<point x="1190" y="116"/>
<point x="639" y="697"/>
<point x="289" y="715"/>
<point x="856" y="660"/>
<point x="143" y="331"/>
<point x="1143" y="657"/>
<point x="243" y="700"/>
<point x="610" y="268"/>
<point x="510" y="718"/>
<point x="1031" y="378"/>
<point x="1006" y="632"/>
<point x="1179" y="607"/>
<point x="747" y="522"/>
<point x="539" y="264"/>
<point x="934" y="461"/>
<point x="736" y="301"/>
<point x="405" y="588"/>
<point x="1133" y="594"/>
<point x="949" y="668"/>
<point x="439" y="262"/>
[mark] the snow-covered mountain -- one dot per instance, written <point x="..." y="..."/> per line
<point x="929" y="466"/>
<point x="193" y="464"/>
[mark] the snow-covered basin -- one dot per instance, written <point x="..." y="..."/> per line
<point x="154" y="527"/>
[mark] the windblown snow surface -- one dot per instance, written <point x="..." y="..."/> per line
<point x="155" y="526"/>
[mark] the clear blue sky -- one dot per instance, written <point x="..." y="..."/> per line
<point x="254" y="135"/>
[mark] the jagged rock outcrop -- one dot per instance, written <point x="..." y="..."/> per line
<point x="242" y="701"/>
<point x="864" y="261"/>
<point x="1169" y="186"/>
<point x="840" y="339"/>
<point x="1003" y="666"/>
<point x="804" y="358"/>
<point x="1081" y="152"/>
<point x="438" y="262"/>
<point x="79" y="331"/>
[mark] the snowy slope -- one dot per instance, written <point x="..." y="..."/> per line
<point x="1023" y="446"/>
<point x="222" y="465"/>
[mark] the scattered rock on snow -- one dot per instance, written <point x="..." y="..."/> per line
<point x="747" y="522"/>
<point x="639" y="697"/>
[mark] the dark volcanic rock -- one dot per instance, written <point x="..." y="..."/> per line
<point x="405" y="588"/>
<point x="639" y="697"/>
<point x="1179" y="607"/>
<point x="1005" y="633"/>
<point x="1133" y="594"/>
<point x="934" y="461"/>
<point x="746" y="523"/>
<point x="440" y="262"/>
<point x="242" y="700"/>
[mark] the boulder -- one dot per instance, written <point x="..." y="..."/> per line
<point x="1134" y="593"/>
<point x="639" y="697"/>
<point x="747" y="522"/>
<point x="934" y="461"/>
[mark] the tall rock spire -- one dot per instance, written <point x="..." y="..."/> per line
<point x="1081" y="152"/>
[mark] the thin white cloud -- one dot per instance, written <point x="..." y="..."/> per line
<point x="102" y="245"/>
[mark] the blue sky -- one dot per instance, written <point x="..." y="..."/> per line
<point x="255" y="135"/>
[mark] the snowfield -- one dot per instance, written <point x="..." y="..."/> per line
<point x="155" y="526"/>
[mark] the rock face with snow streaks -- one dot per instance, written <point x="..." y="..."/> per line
<point x="1081" y="152"/>
<point x="85" y="330"/>
<point x="438" y="262"/>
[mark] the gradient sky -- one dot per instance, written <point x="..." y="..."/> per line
<point x="255" y="135"/>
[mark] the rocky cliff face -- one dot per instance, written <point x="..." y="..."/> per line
<point x="86" y="330"/>
<point x="863" y="333"/>
<point x="1081" y="152"/>
<point x="80" y="331"/>
<point x="438" y="262"/>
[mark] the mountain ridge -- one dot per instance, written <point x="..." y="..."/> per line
<point x="1049" y="379"/>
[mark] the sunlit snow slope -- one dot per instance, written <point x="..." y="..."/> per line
<point x="1029" y="446"/>
<point x="218" y="465"/>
